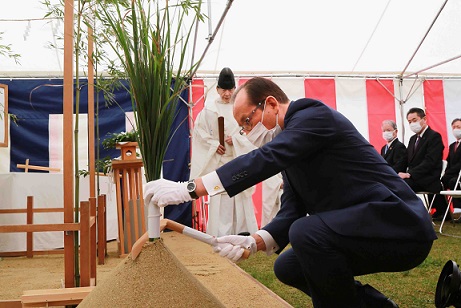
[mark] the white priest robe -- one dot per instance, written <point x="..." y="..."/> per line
<point x="225" y="215"/>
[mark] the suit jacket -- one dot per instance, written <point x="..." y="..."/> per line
<point x="330" y="170"/>
<point x="396" y="156"/>
<point x="453" y="166"/>
<point x="425" y="163"/>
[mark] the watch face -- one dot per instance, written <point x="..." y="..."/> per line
<point x="190" y="186"/>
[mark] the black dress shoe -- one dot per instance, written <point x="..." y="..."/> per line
<point x="375" y="299"/>
<point x="389" y="303"/>
<point x="382" y="303"/>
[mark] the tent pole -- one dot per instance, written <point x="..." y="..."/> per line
<point x="425" y="35"/>
<point x="401" y="103"/>
<point x="211" y="38"/>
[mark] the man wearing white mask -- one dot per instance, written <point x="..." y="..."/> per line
<point x="394" y="152"/>
<point x="425" y="154"/>
<point x="453" y="161"/>
<point x="344" y="211"/>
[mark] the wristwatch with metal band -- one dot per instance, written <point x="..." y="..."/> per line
<point x="191" y="189"/>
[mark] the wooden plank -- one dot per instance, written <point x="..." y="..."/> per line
<point x="118" y="188"/>
<point x="91" y="114"/>
<point x="92" y="221"/>
<point x="35" y="253"/>
<point x="10" y="303"/>
<point x="85" y="243"/>
<point x="141" y="194"/>
<point x="39" y="210"/>
<point x="93" y="239"/>
<point x="105" y="225"/>
<point x="123" y="164"/>
<point x="68" y="143"/>
<point x="32" y="167"/>
<point x="54" y="297"/>
<point x="134" y="201"/>
<point x="13" y="211"/>
<point x="27" y="166"/>
<point x="49" y="210"/>
<point x="30" y="221"/>
<point x="62" y="291"/>
<point x="101" y="230"/>
<point x="40" y="228"/>
<point x="127" y="144"/>
<point x="126" y="212"/>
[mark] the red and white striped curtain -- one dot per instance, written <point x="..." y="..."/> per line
<point x="366" y="102"/>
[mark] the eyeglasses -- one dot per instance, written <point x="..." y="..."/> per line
<point x="247" y="126"/>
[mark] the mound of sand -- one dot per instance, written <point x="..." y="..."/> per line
<point x="155" y="279"/>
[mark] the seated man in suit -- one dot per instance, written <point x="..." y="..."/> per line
<point x="344" y="211"/>
<point x="425" y="152"/>
<point x="453" y="162"/>
<point x="394" y="152"/>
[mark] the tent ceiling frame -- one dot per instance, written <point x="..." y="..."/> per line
<point x="432" y="66"/>
<point x="424" y="37"/>
<point x="211" y="38"/>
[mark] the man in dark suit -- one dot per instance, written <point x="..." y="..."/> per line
<point x="453" y="162"/>
<point x="394" y="151"/>
<point x="344" y="211"/>
<point x="425" y="154"/>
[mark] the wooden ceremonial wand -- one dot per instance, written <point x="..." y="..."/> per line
<point x="180" y="228"/>
<point x="221" y="130"/>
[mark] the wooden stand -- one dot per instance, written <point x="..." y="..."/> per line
<point x="30" y="228"/>
<point x="87" y="228"/>
<point x="130" y="203"/>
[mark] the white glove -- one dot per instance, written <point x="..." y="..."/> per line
<point x="233" y="246"/>
<point x="164" y="192"/>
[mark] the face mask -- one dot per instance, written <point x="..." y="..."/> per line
<point x="457" y="133"/>
<point x="415" y="127"/>
<point x="388" y="136"/>
<point x="260" y="135"/>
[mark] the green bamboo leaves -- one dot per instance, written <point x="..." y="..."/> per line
<point x="152" y="43"/>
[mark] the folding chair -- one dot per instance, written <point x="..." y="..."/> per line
<point x="425" y="197"/>
<point x="455" y="193"/>
<point x="425" y="194"/>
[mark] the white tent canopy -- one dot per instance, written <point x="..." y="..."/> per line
<point x="295" y="41"/>
<point x="292" y="37"/>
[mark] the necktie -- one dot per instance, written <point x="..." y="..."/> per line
<point x="386" y="148"/>
<point x="456" y="145"/>
<point x="417" y="142"/>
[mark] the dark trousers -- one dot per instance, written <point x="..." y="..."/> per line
<point x="322" y="263"/>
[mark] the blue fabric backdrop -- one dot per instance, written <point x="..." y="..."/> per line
<point x="177" y="159"/>
<point x="33" y="100"/>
